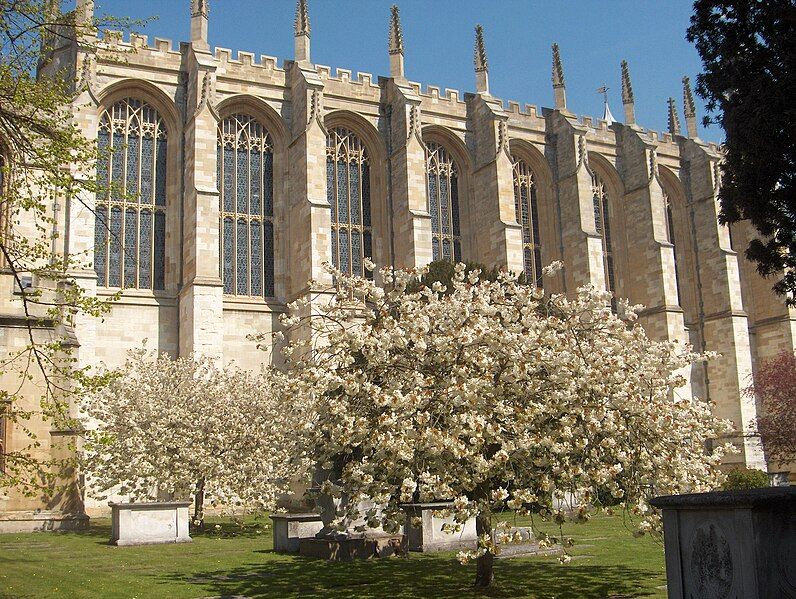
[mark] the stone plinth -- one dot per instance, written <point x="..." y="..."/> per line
<point x="429" y="536"/>
<point x="290" y="528"/>
<point x="40" y="521"/>
<point x="149" y="523"/>
<point x="347" y="548"/>
<point x="731" y="543"/>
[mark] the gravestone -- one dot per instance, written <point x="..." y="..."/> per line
<point x="429" y="536"/>
<point x="149" y="523"/>
<point x="730" y="544"/>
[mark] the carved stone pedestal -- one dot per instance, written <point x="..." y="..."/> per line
<point x="730" y="544"/>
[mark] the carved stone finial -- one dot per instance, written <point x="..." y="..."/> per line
<point x="396" y="39"/>
<point x="689" y="108"/>
<point x="559" y="88"/>
<point x="199" y="12"/>
<point x="627" y="87"/>
<point x="674" y="120"/>
<point x="558" y="69"/>
<point x="199" y="8"/>
<point x="481" y="62"/>
<point x="688" y="98"/>
<point x="302" y="24"/>
<point x="396" y="44"/>
<point x="627" y="95"/>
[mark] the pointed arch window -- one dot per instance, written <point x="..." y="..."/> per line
<point x="348" y="192"/>
<point x="130" y="223"/>
<point x="246" y="186"/>
<point x="443" y="203"/>
<point x="602" y="221"/>
<point x="671" y="237"/>
<point x="527" y="211"/>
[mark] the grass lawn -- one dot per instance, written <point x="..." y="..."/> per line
<point x="607" y="562"/>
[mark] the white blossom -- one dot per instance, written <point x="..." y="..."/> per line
<point x="490" y="392"/>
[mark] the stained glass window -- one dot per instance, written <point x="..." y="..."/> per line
<point x="602" y="221"/>
<point x="246" y="185"/>
<point x="348" y="192"/>
<point x="129" y="244"/>
<point x="443" y="203"/>
<point x="527" y="211"/>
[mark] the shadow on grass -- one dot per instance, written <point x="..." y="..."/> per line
<point x="419" y="576"/>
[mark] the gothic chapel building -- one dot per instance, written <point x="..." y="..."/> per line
<point x="249" y="175"/>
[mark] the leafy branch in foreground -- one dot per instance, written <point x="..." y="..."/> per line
<point x="47" y="167"/>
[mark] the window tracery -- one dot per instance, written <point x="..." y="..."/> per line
<point x="348" y="192"/>
<point x="246" y="185"/>
<point x="526" y="209"/>
<point x="130" y="223"/>
<point x="443" y="203"/>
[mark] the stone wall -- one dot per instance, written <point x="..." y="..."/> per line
<point x="710" y="296"/>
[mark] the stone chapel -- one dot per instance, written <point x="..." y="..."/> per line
<point x="250" y="174"/>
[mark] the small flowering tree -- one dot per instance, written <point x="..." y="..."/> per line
<point x="188" y="429"/>
<point x="775" y="386"/>
<point x="494" y="396"/>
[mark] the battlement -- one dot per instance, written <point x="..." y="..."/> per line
<point x="137" y="41"/>
<point x="246" y="59"/>
<point x="342" y="75"/>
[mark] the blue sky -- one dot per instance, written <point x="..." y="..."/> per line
<point x="594" y="36"/>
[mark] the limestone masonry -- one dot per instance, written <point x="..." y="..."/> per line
<point x="251" y="174"/>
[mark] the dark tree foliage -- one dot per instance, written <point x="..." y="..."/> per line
<point x="775" y="387"/>
<point x="748" y="49"/>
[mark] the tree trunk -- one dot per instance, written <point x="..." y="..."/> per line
<point x="199" y="505"/>
<point x="484" y="574"/>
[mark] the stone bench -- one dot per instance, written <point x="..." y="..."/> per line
<point x="149" y="523"/>
<point x="290" y="528"/>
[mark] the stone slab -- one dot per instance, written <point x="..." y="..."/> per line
<point x="41" y="521"/>
<point x="352" y="548"/>
<point x="149" y="523"/>
<point x="290" y="528"/>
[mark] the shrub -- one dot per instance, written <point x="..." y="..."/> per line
<point x="745" y="478"/>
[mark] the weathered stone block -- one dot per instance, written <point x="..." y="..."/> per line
<point x="149" y="523"/>
<point x="41" y="521"/>
<point x="290" y="528"/>
<point x="730" y="543"/>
